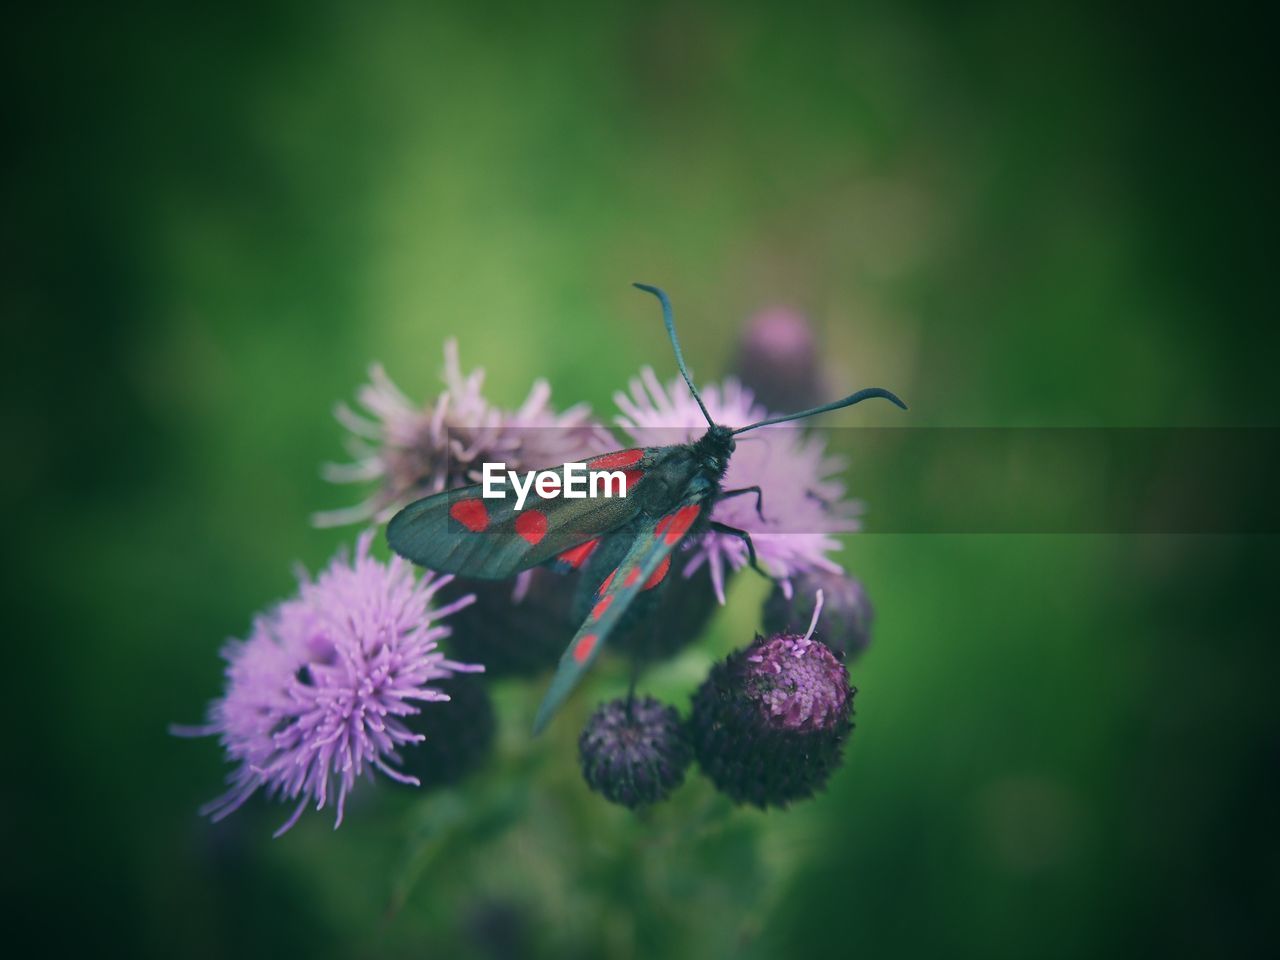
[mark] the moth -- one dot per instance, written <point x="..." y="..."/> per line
<point x="623" y="544"/>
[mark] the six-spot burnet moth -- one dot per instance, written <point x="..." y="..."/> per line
<point x="624" y="543"/>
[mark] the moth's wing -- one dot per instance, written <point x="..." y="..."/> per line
<point x="658" y="472"/>
<point x="643" y="566"/>
<point x="461" y="531"/>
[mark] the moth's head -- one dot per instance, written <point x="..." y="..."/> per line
<point x="721" y="437"/>
<point x="716" y="445"/>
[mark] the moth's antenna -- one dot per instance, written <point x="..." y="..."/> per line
<point x="848" y="401"/>
<point x="670" y="321"/>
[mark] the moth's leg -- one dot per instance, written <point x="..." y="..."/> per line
<point x="719" y="527"/>
<point x="726" y="494"/>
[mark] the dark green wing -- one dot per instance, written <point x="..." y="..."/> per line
<point x="459" y="531"/>
<point x="643" y="567"/>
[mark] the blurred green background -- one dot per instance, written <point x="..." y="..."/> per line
<point x="1014" y="214"/>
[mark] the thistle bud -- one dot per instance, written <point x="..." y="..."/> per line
<point x="845" y="622"/>
<point x="634" y="751"/>
<point x="513" y="632"/>
<point x="770" y="721"/>
<point x="778" y="360"/>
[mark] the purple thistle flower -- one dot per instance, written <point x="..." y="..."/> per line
<point x="770" y="722"/>
<point x="318" y="693"/>
<point x="803" y="499"/>
<point x="797" y="683"/>
<point x="414" y="450"/>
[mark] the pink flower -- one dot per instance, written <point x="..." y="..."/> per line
<point x="412" y="450"/>
<point x="317" y="694"/>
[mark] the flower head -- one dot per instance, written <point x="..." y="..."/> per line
<point x="414" y="450"/>
<point x="319" y="692"/>
<point x="770" y="721"/>
<point x="844" y="624"/>
<point x="802" y="500"/>
<point x="634" y="752"/>
<point x="796" y="684"/>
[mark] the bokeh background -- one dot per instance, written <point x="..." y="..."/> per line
<point x="1013" y="213"/>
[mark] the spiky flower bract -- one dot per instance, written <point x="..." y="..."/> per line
<point x="770" y="721"/>
<point x="844" y="622"/>
<point x="319" y="692"/>
<point x="803" y="501"/>
<point x="778" y="360"/>
<point x="413" y="450"/>
<point x="634" y="751"/>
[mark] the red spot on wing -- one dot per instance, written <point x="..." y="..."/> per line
<point x="582" y="649"/>
<point x="607" y="580"/>
<point x="675" y="525"/>
<point x="598" y="610"/>
<point x="471" y="514"/>
<point x="632" y="478"/>
<point x="655" y="578"/>
<point x="615" y="461"/>
<point x="632" y="576"/>
<point x="575" y="557"/>
<point x="532" y="525"/>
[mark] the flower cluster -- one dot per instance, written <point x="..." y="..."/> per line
<point x="330" y="684"/>
<point x="768" y="725"/>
